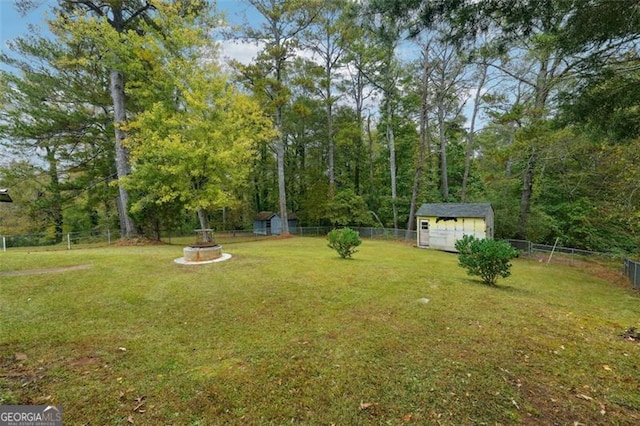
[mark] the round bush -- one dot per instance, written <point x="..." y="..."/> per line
<point x="344" y="241"/>
<point x="488" y="259"/>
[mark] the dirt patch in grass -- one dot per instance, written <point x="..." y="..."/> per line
<point x="19" y="373"/>
<point x="45" y="270"/>
<point x="541" y="402"/>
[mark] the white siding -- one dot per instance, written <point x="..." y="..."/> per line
<point x="443" y="234"/>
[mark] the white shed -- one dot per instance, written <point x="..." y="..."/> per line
<point x="440" y="225"/>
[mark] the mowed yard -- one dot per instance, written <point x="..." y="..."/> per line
<point x="286" y="332"/>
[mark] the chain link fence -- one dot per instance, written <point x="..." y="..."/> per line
<point x="105" y="237"/>
<point x="365" y="232"/>
<point x="96" y="237"/>
<point x="529" y="248"/>
<point x="631" y="268"/>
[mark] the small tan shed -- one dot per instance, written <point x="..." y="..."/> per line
<point x="440" y="225"/>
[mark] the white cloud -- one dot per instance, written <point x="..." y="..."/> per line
<point x="244" y="53"/>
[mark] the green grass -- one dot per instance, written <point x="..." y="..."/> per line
<point x="286" y="332"/>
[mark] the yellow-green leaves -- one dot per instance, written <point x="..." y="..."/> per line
<point x="199" y="150"/>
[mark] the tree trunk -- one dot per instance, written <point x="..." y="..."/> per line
<point x="127" y="227"/>
<point x="358" y="100"/>
<point x="527" y="192"/>
<point x="55" y="205"/>
<point x="370" y="156"/>
<point x="204" y="224"/>
<point x="392" y="163"/>
<point x="542" y="87"/>
<point x="471" y="135"/>
<point x="282" y="194"/>
<point x="422" y="148"/>
<point x="329" y="112"/>
<point x="444" y="180"/>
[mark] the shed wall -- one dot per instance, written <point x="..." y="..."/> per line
<point x="260" y="227"/>
<point x="276" y="225"/>
<point x="443" y="234"/>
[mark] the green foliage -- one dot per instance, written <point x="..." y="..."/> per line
<point x="348" y="208"/>
<point x="344" y="241"/>
<point x="488" y="259"/>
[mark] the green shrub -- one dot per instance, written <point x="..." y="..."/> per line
<point x="488" y="259"/>
<point x="344" y="241"/>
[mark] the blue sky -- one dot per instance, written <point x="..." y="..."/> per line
<point x="12" y="24"/>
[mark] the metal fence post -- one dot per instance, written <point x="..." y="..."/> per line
<point x="68" y="241"/>
<point x="4" y="244"/>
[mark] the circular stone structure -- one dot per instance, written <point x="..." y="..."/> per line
<point x="222" y="258"/>
<point x="205" y="250"/>
<point x="201" y="252"/>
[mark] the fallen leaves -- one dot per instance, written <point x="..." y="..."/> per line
<point x="631" y="334"/>
<point x="603" y="410"/>
<point x="367" y="405"/>
<point x="372" y="408"/>
<point x="139" y="408"/>
<point x="139" y="403"/>
<point x="585" y="397"/>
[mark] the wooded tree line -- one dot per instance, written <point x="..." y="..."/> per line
<point x="351" y="113"/>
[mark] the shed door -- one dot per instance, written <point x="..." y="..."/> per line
<point x="423" y="236"/>
<point x="276" y="225"/>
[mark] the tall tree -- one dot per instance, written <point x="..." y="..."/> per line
<point x="284" y="22"/>
<point x="384" y="73"/>
<point x="357" y="89"/>
<point x="326" y="38"/>
<point x="193" y="142"/>
<point x="197" y="155"/>
<point x="424" y="70"/>
<point x="448" y="81"/>
<point x="117" y="20"/>
<point x="53" y="113"/>
<point x="481" y="76"/>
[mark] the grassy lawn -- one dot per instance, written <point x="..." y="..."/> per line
<point x="286" y="332"/>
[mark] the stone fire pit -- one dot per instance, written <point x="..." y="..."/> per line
<point x="202" y="252"/>
<point x="205" y="250"/>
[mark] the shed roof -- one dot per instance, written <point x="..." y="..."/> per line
<point x="4" y="196"/>
<point x="265" y="215"/>
<point x="455" y="209"/>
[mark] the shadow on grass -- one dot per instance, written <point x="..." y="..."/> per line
<point x="348" y="259"/>
<point x="498" y="287"/>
